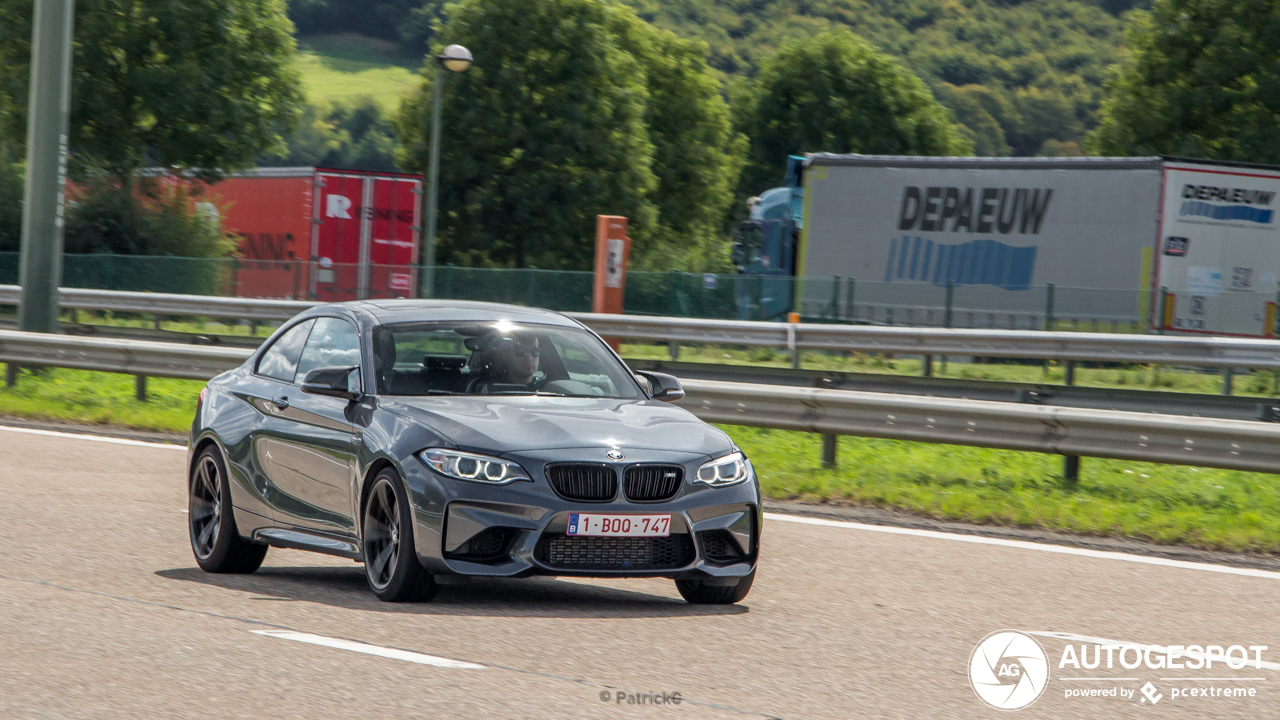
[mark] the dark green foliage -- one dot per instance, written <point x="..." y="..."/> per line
<point x="980" y="111"/>
<point x="1203" y="81"/>
<point x="542" y="134"/>
<point x="561" y="119"/>
<point x="833" y="93"/>
<point x="406" y="21"/>
<point x="1043" y="61"/>
<point x="1046" y="60"/>
<point x="356" y="135"/>
<point x="697" y="156"/>
<point x="155" y="219"/>
<point x="10" y="197"/>
<point x="203" y="84"/>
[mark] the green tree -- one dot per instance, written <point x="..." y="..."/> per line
<point x="697" y="155"/>
<point x="544" y="132"/>
<point x="11" y="190"/>
<point x="984" y="114"/>
<point x="407" y="21"/>
<point x="356" y="134"/>
<point x="834" y="93"/>
<point x="184" y="84"/>
<point x="104" y="218"/>
<point x="1203" y="81"/>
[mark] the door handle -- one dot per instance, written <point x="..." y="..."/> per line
<point x="280" y="401"/>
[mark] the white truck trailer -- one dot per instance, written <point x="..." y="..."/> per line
<point x="1145" y="243"/>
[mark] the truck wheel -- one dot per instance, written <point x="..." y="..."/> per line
<point x="211" y="520"/>
<point x="698" y="592"/>
<point x="390" y="560"/>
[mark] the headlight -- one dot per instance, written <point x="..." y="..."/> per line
<point x="476" y="468"/>
<point x="728" y="470"/>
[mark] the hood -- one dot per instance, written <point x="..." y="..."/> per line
<point x="496" y="425"/>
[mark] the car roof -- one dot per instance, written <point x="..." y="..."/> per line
<point x="404" y="311"/>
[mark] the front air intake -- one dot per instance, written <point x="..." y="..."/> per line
<point x="584" y="482"/>
<point x="571" y="552"/>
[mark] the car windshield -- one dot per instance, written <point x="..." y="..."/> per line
<point x="498" y="358"/>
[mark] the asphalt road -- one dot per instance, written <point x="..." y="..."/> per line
<point x="103" y="613"/>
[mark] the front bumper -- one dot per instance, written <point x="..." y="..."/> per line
<point x="516" y="530"/>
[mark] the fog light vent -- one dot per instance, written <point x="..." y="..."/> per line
<point x="719" y="546"/>
<point x="486" y="545"/>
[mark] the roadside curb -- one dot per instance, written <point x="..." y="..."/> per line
<point x="112" y="431"/>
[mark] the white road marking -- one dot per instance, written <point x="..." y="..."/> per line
<point x="1024" y="545"/>
<point x="378" y="650"/>
<point x="1156" y="649"/>
<point x="94" y="438"/>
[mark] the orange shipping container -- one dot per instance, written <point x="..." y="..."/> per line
<point x="322" y="234"/>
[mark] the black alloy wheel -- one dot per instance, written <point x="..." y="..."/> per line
<point x="390" y="560"/>
<point x="215" y="541"/>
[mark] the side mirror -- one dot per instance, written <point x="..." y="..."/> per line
<point x="333" y="381"/>
<point x="660" y="386"/>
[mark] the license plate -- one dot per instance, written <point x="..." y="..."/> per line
<point x="620" y="525"/>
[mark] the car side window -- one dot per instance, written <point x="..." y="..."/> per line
<point x="334" y="342"/>
<point x="280" y="361"/>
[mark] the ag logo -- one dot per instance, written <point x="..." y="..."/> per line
<point x="1008" y="670"/>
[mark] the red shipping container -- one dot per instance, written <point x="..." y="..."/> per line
<point x="322" y="234"/>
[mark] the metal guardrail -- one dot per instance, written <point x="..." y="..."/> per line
<point x="1179" y="440"/>
<point x="1163" y="402"/>
<point x="169" y="304"/>
<point x="134" y="357"/>
<point x="1065" y="346"/>
<point x="1232" y="444"/>
<point x="1102" y="347"/>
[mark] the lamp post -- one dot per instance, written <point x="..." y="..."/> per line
<point x="455" y="58"/>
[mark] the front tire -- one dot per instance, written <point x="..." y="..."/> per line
<point x="211" y="520"/>
<point x="390" y="560"/>
<point x="698" y="592"/>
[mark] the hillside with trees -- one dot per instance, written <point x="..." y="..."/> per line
<point x="1022" y="78"/>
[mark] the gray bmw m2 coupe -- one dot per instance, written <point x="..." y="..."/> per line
<point x="428" y="438"/>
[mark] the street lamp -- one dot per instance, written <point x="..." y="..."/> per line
<point x="455" y="58"/>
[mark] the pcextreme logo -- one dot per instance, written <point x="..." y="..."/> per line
<point x="1008" y="670"/>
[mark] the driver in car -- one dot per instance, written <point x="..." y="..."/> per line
<point x="517" y="360"/>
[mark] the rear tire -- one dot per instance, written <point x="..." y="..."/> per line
<point x="211" y="519"/>
<point x="390" y="558"/>
<point x="698" y="592"/>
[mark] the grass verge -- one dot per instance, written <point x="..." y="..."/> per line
<point x="1208" y="508"/>
<point x="101" y="398"/>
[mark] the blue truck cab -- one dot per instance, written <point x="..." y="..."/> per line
<point x="766" y="246"/>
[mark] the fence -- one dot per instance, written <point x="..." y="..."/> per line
<point x="975" y="306"/>
<point x="670" y="294"/>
